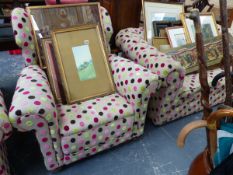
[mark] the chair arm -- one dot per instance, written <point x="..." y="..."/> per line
<point x="138" y="50"/>
<point x="32" y="97"/>
<point x="136" y="84"/>
<point x="5" y="126"/>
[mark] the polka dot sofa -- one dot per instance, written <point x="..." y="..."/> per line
<point x="179" y="94"/>
<point x="5" y="131"/>
<point x="67" y="133"/>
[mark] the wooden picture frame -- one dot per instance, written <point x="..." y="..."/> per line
<point x="157" y="11"/>
<point x="158" y="25"/>
<point x="176" y="36"/>
<point x="160" y="43"/>
<point x="187" y="54"/>
<point x="83" y="63"/>
<point x="52" y="69"/>
<point x="208" y="24"/>
<point x="45" y="19"/>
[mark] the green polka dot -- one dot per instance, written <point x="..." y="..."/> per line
<point x="12" y="120"/>
<point x="55" y="145"/>
<point x="100" y="137"/>
<point x="43" y="99"/>
<point x="29" y="123"/>
<point x="123" y="128"/>
<point x="48" y="117"/>
<point x="73" y="148"/>
<point x="75" y="130"/>
<point x="142" y="88"/>
<point x="112" y="125"/>
<point x="165" y="73"/>
<point x="86" y="135"/>
<point x="52" y="132"/>
<point x="3" y="116"/>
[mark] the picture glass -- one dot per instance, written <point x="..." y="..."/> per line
<point x="208" y="27"/>
<point x="84" y="62"/>
<point x="177" y="36"/>
<point x="155" y="11"/>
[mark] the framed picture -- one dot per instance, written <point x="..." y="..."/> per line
<point x="159" y="26"/>
<point x="83" y="63"/>
<point x="45" y="19"/>
<point x="176" y="36"/>
<point x="52" y="69"/>
<point x="156" y="11"/>
<point x="187" y="55"/>
<point x="161" y="43"/>
<point x="208" y="26"/>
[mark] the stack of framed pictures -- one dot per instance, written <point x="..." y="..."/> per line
<point x="167" y="26"/>
<point x="157" y="17"/>
<point x="72" y="49"/>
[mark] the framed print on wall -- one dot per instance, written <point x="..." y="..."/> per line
<point x="52" y="69"/>
<point x="176" y="36"/>
<point x="156" y="11"/>
<point x="208" y="26"/>
<point x="45" y="19"/>
<point x="83" y="63"/>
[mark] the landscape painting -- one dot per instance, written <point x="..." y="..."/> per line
<point x="84" y="62"/>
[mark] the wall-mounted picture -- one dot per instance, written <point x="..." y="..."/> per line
<point x="156" y="11"/>
<point x="176" y="36"/>
<point x="159" y="26"/>
<point x="208" y="26"/>
<point x="52" y="69"/>
<point x="83" y="63"/>
<point x="43" y="20"/>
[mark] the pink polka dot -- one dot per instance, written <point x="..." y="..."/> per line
<point x="7" y="125"/>
<point x="81" y="124"/>
<point x="44" y="139"/>
<point x="66" y="128"/>
<point x="121" y="111"/>
<point x="38" y="84"/>
<point x="79" y="116"/>
<point x="105" y="108"/>
<point x="118" y="126"/>
<point x="94" y="136"/>
<point x="96" y="120"/>
<point x="37" y="103"/>
<point x="28" y="60"/>
<point x="40" y="124"/>
<point x="67" y="158"/>
<point x="14" y="17"/>
<point x="26" y="92"/>
<point x="89" y="107"/>
<point x="66" y="146"/>
<point x="20" y="25"/>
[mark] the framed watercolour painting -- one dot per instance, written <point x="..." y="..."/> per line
<point x="208" y="26"/>
<point x="52" y="69"/>
<point x="176" y="36"/>
<point x="43" y="21"/>
<point x="83" y="63"/>
<point x="156" y="11"/>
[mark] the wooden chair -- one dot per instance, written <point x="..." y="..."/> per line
<point x="200" y="5"/>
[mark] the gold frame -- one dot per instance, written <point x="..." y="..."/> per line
<point x="169" y="37"/>
<point x="49" y="72"/>
<point x="144" y="14"/>
<point x="29" y="8"/>
<point x="156" y="42"/>
<point x="183" y="17"/>
<point x="64" y="78"/>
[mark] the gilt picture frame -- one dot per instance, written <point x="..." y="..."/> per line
<point x="83" y="63"/>
<point x="157" y="11"/>
<point x="176" y="36"/>
<point x="208" y="25"/>
<point x="66" y="15"/>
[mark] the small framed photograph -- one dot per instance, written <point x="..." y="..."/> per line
<point x="159" y="27"/>
<point x="176" y="36"/>
<point x="68" y="15"/>
<point x="52" y="69"/>
<point x="156" y="11"/>
<point x="208" y="26"/>
<point x="83" y="63"/>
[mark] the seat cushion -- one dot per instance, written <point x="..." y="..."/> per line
<point x="89" y="114"/>
<point x="192" y="84"/>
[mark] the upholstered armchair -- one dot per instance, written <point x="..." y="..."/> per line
<point x="67" y="133"/>
<point x="5" y="131"/>
<point x="179" y="94"/>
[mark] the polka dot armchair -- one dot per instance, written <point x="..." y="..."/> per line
<point x="178" y="95"/>
<point x="67" y="133"/>
<point x="5" y="131"/>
